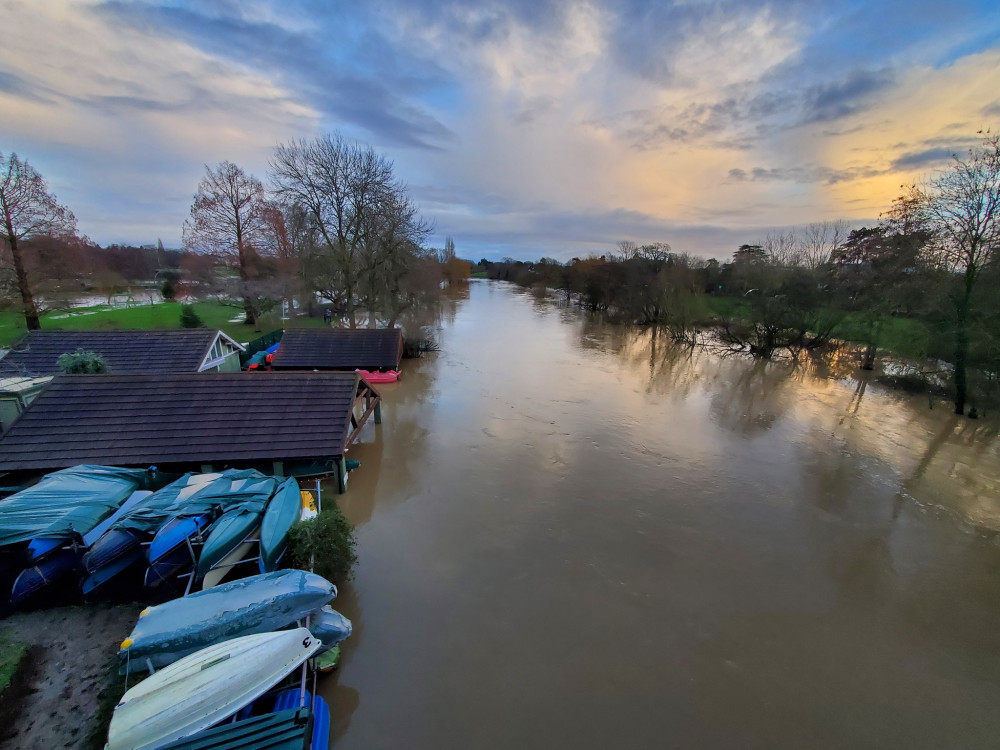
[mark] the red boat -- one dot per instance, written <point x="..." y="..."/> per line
<point x="389" y="376"/>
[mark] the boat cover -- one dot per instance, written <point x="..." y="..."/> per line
<point x="194" y="494"/>
<point x="281" y="730"/>
<point x="66" y="503"/>
<point x="258" y="604"/>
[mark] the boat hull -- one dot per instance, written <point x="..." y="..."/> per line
<point x="283" y="510"/>
<point x="258" y="604"/>
<point x="204" y="688"/>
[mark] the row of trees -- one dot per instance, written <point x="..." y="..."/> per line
<point x="333" y="220"/>
<point x="933" y="259"/>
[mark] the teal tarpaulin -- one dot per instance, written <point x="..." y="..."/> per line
<point x="66" y="503"/>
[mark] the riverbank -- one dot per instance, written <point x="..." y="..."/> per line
<point x="58" y="695"/>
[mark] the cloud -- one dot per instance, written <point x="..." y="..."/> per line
<point x="805" y="174"/>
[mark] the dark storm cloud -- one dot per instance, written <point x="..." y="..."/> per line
<point x="833" y="100"/>
<point x="351" y="74"/>
<point x="927" y="157"/>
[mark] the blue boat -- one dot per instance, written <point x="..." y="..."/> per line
<point x="169" y="553"/>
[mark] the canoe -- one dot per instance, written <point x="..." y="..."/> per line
<point x="374" y="376"/>
<point x="330" y="627"/>
<point x="283" y="510"/>
<point x="280" y="730"/>
<point x="258" y="604"/>
<point x="53" y="559"/>
<point x="102" y="578"/>
<point x="230" y="539"/>
<point x="204" y="688"/>
<point x="169" y="554"/>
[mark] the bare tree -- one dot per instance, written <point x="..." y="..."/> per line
<point x="28" y="211"/>
<point x="230" y="217"/>
<point x="819" y="242"/>
<point x="359" y="218"/>
<point x="962" y="206"/>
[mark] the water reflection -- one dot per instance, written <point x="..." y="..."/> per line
<point x="576" y="534"/>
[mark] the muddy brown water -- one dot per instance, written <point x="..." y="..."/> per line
<point x="574" y="535"/>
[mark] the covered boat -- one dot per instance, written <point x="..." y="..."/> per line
<point x="258" y="604"/>
<point x="283" y="510"/>
<point x="204" y="688"/>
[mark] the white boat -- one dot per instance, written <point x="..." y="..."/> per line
<point x="204" y="688"/>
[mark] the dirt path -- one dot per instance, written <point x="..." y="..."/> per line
<point x="76" y="647"/>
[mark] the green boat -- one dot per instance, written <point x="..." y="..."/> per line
<point x="235" y="535"/>
<point x="284" y="509"/>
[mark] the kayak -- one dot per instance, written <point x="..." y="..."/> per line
<point x="330" y="627"/>
<point x="204" y="688"/>
<point x="169" y="554"/>
<point x="283" y="510"/>
<point x="258" y="604"/>
<point x="231" y="539"/>
<point x="374" y="376"/>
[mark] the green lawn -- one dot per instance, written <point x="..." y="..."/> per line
<point x="145" y="317"/>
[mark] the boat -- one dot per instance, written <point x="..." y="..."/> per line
<point x="204" y="688"/>
<point x="52" y="559"/>
<point x="377" y="376"/>
<point x="330" y="627"/>
<point x="120" y="549"/>
<point x="236" y="533"/>
<point x="258" y="604"/>
<point x="283" y="510"/>
<point x="224" y="503"/>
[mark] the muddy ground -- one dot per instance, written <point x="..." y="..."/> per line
<point x="75" y="648"/>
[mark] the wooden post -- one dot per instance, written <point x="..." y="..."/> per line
<point x="378" y="413"/>
<point x="341" y="475"/>
<point x="279" y="468"/>
<point x="207" y="469"/>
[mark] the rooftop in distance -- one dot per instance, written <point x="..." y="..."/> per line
<point x="339" y="349"/>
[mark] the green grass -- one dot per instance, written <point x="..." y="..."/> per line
<point x="11" y="653"/>
<point x="145" y="317"/>
<point x="478" y="275"/>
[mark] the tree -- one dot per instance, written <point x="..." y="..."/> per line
<point x="360" y="224"/>
<point x="229" y="216"/>
<point x="28" y="211"/>
<point x="962" y="208"/>
<point x="81" y="362"/>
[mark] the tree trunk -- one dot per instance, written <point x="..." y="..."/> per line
<point x="248" y="309"/>
<point x="962" y="347"/>
<point x="28" y="301"/>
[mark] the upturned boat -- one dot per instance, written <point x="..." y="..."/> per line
<point x="283" y="510"/>
<point x="204" y="688"/>
<point x="258" y="604"/>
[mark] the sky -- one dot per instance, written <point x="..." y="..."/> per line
<point x="524" y="129"/>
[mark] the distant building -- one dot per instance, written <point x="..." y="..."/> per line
<point x="339" y="349"/>
<point x="125" y="352"/>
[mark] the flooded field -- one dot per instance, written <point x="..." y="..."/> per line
<point x="572" y="535"/>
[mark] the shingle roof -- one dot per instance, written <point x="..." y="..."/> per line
<point x="339" y="349"/>
<point x="182" y="418"/>
<point x="176" y="350"/>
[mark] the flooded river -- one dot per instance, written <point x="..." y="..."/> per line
<point x="572" y="535"/>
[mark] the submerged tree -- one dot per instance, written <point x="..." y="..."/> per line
<point x="962" y="208"/>
<point x="28" y="211"/>
<point x="229" y="217"/>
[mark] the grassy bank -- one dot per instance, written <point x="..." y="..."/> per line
<point x="146" y="317"/>
<point x="11" y="654"/>
<point x="904" y="336"/>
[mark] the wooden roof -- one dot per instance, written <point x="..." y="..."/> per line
<point x="339" y="349"/>
<point x="124" y="352"/>
<point x="184" y="418"/>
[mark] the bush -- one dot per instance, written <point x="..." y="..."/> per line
<point x="189" y="318"/>
<point x="168" y="290"/>
<point x="326" y="544"/>
<point x="81" y="362"/>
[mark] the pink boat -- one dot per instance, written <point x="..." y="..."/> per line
<point x="389" y="376"/>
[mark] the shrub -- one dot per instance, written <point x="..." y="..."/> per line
<point x="326" y="544"/>
<point x="189" y="318"/>
<point x="81" y="362"/>
<point x="168" y="290"/>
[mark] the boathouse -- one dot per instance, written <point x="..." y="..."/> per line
<point x="298" y="423"/>
<point x="126" y="352"/>
<point x="339" y="349"/>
